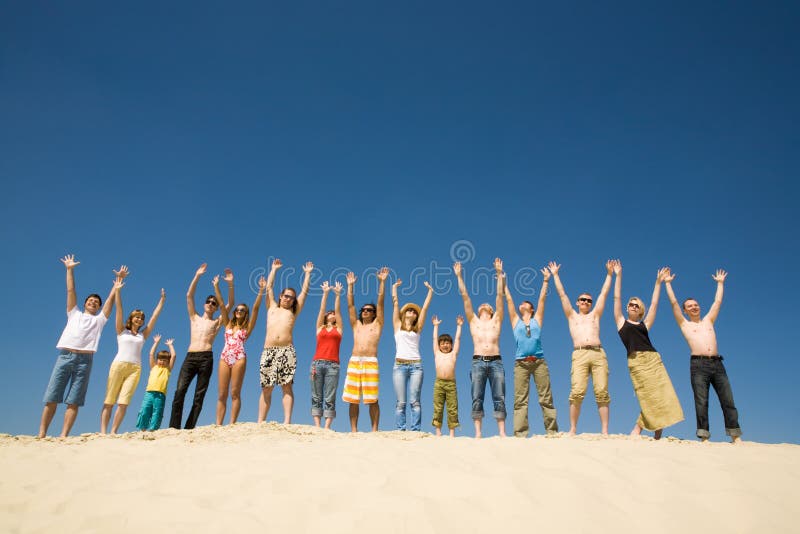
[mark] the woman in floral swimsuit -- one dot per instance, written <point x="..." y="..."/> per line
<point x="234" y="360"/>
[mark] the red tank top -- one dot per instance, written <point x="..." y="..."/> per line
<point x="328" y="345"/>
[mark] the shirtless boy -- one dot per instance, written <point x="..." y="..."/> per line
<point x="76" y="346"/>
<point x="362" y="369"/>
<point x="279" y="358"/>
<point x="199" y="359"/>
<point x="706" y="362"/>
<point x="445" y="352"/>
<point x="487" y="363"/>
<point x="588" y="355"/>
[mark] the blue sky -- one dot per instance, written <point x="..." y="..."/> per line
<point x="364" y="134"/>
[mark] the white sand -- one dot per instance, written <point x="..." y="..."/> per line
<point x="301" y="479"/>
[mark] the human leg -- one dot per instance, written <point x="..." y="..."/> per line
<point x="497" y="381"/>
<point x="599" y="370"/>
<point x="237" y="378"/>
<point x="722" y="386"/>
<point x="701" y="379"/>
<point x="541" y="378"/>
<point x="76" y="394"/>
<point x="414" y="393"/>
<point x="224" y="381"/>
<point x="579" y="378"/>
<point x="400" y="379"/>
<point x="47" y="417"/>
<point x="439" y="396"/>
<point x="353" y="414"/>
<point x="522" y="386"/>
<point x="205" y="367"/>
<point x="451" y="401"/>
<point x="330" y="383"/>
<point x="317" y="382"/>
<point x="478" y="375"/>
<point x="146" y="411"/>
<point x="132" y="372"/>
<point x="264" y="402"/>
<point x="187" y="373"/>
<point x="158" y="410"/>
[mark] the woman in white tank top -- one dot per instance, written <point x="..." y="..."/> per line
<point x="126" y="368"/>
<point x="407" y="371"/>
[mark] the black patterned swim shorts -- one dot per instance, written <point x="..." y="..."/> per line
<point x="278" y="365"/>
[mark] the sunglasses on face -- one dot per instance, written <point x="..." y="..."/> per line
<point x="212" y="302"/>
<point x="633" y="305"/>
<point x="287" y="297"/>
<point x="367" y="310"/>
<point x="527" y="330"/>
<point x="240" y="310"/>
<point x="584" y="299"/>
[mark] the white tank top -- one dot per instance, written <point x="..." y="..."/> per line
<point x="407" y="345"/>
<point x="129" y="347"/>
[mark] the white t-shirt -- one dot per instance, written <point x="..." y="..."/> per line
<point x="82" y="331"/>
<point x="129" y="347"/>
<point x="407" y="345"/>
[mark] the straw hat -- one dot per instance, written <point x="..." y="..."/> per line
<point x="409" y="306"/>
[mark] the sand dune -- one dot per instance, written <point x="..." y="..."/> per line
<point x="302" y="479"/>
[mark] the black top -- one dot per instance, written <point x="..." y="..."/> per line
<point x="635" y="338"/>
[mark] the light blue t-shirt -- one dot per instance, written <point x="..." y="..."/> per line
<point x="528" y="345"/>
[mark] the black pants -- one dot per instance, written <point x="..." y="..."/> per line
<point x="711" y="371"/>
<point x="198" y="364"/>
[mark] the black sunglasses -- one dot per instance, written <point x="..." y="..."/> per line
<point x="210" y="301"/>
<point x="584" y="299"/>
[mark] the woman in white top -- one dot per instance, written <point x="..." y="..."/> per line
<point x="126" y="368"/>
<point x="407" y="371"/>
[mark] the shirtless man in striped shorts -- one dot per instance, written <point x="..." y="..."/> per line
<point x="362" y="370"/>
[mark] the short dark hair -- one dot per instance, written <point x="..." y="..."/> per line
<point x="361" y="311"/>
<point x="444" y="337"/>
<point x="163" y="354"/>
<point x="95" y="295"/>
<point x="687" y="300"/>
<point x="529" y="303"/>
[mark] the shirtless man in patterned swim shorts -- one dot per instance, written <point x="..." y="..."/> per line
<point x="279" y="359"/>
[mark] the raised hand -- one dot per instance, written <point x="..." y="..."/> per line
<point x="383" y="273"/>
<point x="546" y="273"/>
<point x="228" y="276"/>
<point x="498" y="265"/>
<point x="122" y="272"/>
<point x="396" y="284"/>
<point x="351" y="278"/>
<point x="553" y="267"/>
<point x="662" y="273"/>
<point x="428" y="285"/>
<point x="170" y="341"/>
<point x="276" y="264"/>
<point x="459" y="320"/>
<point x="118" y="284"/>
<point x="157" y="339"/>
<point x="617" y="267"/>
<point x="262" y="283"/>
<point x="308" y="267"/>
<point x="215" y="280"/>
<point x="720" y="276"/>
<point x="163" y="293"/>
<point x="457" y="268"/>
<point x="325" y="286"/>
<point x="69" y="261"/>
<point x="669" y="276"/>
<point x="337" y="288"/>
<point x="610" y="266"/>
<point x="201" y="270"/>
<point x="435" y="320"/>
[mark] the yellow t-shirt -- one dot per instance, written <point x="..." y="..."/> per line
<point x="159" y="376"/>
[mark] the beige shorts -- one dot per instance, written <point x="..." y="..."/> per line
<point x="123" y="377"/>
<point x="584" y="362"/>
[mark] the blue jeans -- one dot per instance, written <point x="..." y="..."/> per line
<point x="407" y="376"/>
<point x="73" y="370"/>
<point x="324" y="381"/>
<point x="711" y="371"/>
<point x="495" y="373"/>
<point x="152" y="411"/>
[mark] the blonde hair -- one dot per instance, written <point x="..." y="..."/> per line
<point x="642" y="307"/>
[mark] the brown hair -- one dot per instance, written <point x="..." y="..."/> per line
<point x="129" y="323"/>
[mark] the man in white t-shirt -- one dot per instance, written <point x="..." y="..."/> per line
<point x="77" y="344"/>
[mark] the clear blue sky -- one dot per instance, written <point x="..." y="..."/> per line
<point x="364" y="134"/>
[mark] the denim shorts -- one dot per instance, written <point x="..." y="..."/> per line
<point x="70" y="378"/>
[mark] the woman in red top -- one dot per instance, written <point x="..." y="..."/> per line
<point x="325" y="365"/>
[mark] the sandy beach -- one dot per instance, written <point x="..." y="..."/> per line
<point x="302" y="479"/>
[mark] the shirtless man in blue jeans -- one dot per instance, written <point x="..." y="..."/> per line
<point x="706" y="363"/>
<point x="77" y="345"/>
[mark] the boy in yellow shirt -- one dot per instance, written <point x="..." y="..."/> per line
<point x="152" y="410"/>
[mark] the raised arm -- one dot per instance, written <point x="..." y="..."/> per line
<point x="457" y="338"/>
<point x="601" y="299"/>
<point x="512" y="310"/>
<point x="156" y="312"/>
<point x="170" y="343"/>
<point x="70" y="263"/>
<point x="192" y="287"/>
<point x="565" y="303"/>
<point x="539" y="315"/>
<point x="619" y="318"/>
<point x="462" y="288"/>
<point x="501" y="282"/>
<point x="326" y="287"/>
<point x="351" y="304"/>
<point x="156" y="340"/>
<point x="424" y="311"/>
<point x="669" y="276"/>
<point x="276" y="264"/>
<point x="223" y="310"/>
<point x="228" y="277"/>
<point x="301" y="299"/>
<point x="110" y="298"/>
<point x="436" y="322"/>
<point x="120" y="315"/>
<point x="383" y="274"/>
<point x="337" y="306"/>
<point x="651" y="313"/>
<point x="262" y="285"/>
<point x="719" y="278"/>
<point x="396" y="322"/>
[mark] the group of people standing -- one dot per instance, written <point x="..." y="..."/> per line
<point x="659" y="404"/>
